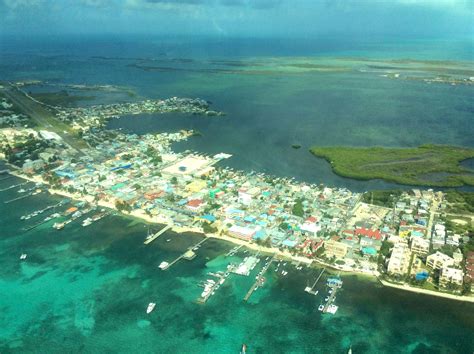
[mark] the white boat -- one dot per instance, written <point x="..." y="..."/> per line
<point x="163" y="265"/>
<point x="87" y="222"/>
<point x="151" y="307"/>
<point x="23" y="256"/>
<point x="332" y="309"/>
<point x="321" y="307"/>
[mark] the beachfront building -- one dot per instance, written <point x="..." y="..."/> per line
<point x="336" y="249"/>
<point x="439" y="260"/>
<point x="420" y="246"/>
<point x="242" y="232"/>
<point x="399" y="260"/>
<point x="452" y="276"/>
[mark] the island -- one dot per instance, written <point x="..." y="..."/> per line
<point x="416" y="240"/>
<point x="426" y="165"/>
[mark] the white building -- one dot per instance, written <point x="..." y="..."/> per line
<point x="399" y="260"/>
<point x="439" y="260"/>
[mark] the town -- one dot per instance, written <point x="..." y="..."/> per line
<point x="409" y="239"/>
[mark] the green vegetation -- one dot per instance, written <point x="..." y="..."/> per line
<point x="207" y="228"/>
<point x="298" y="208"/>
<point x="381" y="197"/>
<point x="460" y="202"/>
<point x="296" y="146"/>
<point x="427" y="165"/>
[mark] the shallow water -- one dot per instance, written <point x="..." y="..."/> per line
<point x="86" y="289"/>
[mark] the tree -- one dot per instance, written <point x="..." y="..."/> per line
<point x="174" y="180"/>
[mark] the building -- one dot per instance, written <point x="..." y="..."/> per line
<point x="451" y="276"/>
<point x="336" y="249"/>
<point x="420" y="246"/>
<point x="399" y="260"/>
<point x="242" y="232"/>
<point x="195" y="204"/>
<point x="439" y="260"/>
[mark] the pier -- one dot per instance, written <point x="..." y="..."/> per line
<point x="234" y="250"/>
<point x="208" y="292"/>
<point x="40" y="223"/>
<point x="189" y="254"/>
<point x="20" y="197"/>
<point x="334" y="284"/>
<point x="260" y="279"/>
<point x="310" y="290"/>
<point x="14" y="186"/>
<point x="152" y="238"/>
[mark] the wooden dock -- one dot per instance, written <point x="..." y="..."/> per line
<point x="310" y="290"/>
<point x="158" y="234"/>
<point x="260" y="280"/>
<point x="186" y="254"/>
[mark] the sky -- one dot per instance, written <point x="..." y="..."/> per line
<point x="240" y="18"/>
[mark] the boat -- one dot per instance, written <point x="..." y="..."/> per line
<point x="332" y="309"/>
<point x="23" y="256"/>
<point x="321" y="307"/>
<point x="151" y="307"/>
<point x="350" y="350"/>
<point x="58" y="225"/>
<point x="163" y="265"/>
<point x="244" y="349"/>
<point x="87" y="222"/>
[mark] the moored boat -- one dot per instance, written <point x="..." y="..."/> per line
<point x="151" y="307"/>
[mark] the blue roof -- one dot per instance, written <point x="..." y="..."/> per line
<point x="209" y="217"/>
<point x="260" y="235"/>
<point x="289" y="243"/>
<point x="121" y="167"/>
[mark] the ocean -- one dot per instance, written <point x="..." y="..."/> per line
<point x="86" y="289"/>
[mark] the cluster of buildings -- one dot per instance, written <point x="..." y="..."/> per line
<point x="143" y="176"/>
<point x="9" y="117"/>
<point x="423" y="250"/>
<point x="96" y="116"/>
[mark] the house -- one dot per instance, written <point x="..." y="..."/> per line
<point x="451" y="276"/>
<point x="399" y="260"/>
<point x="195" y="204"/>
<point x="374" y="234"/>
<point x="439" y="260"/>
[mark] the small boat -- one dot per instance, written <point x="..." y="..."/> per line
<point x="151" y="307"/>
<point x="23" y="256"/>
<point x="350" y="350"/>
<point x="87" y="222"/>
<point x="163" y="265"/>
<point x="168" y="240"/>
<point x="244" y="349"/>
<point x="321" y="307"/>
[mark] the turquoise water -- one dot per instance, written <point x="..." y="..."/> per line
<point x="87" y="289"/>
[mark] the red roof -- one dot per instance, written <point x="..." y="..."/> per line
<point x="195" y="203"/>
<point x="311" y="219"/>
<point x="375" y="234"/>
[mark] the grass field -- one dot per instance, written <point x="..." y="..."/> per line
<point x="427" y="165"/>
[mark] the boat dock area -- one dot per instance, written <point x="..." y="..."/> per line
<point x="246" y="266"/>
<point x="260" y="279"/>
<point x="29" y="194"/>
<point x="14" y="186"/>
<point x="334" y="284"/>
<point x="153" y="237"/>
<point x="310" y="290"/>
<point x="211" y="286"/>
<point x="189" y="254"/>
<point x="233" y="251"/>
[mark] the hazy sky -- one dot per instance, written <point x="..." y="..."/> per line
<point x="256" y="18"/>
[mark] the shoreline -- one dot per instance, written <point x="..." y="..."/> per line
<point x="270" y="250"/>
<point x="413" y="289"/>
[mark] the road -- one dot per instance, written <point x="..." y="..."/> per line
<point x="44" y="119"/>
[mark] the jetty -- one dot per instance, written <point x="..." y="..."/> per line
<point x="153" y="237"/>
<point x="211" y="287"/>
<point x="21" y="197"/>
<point x="189" y="254"/>
<point x="310" y="290"/>
<point x="334" y="284"/>
<point x="234" y="250"/>
<point x="14" y="186"/>
<point x="259" y="280"/>
<point x="48" y="218"/>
